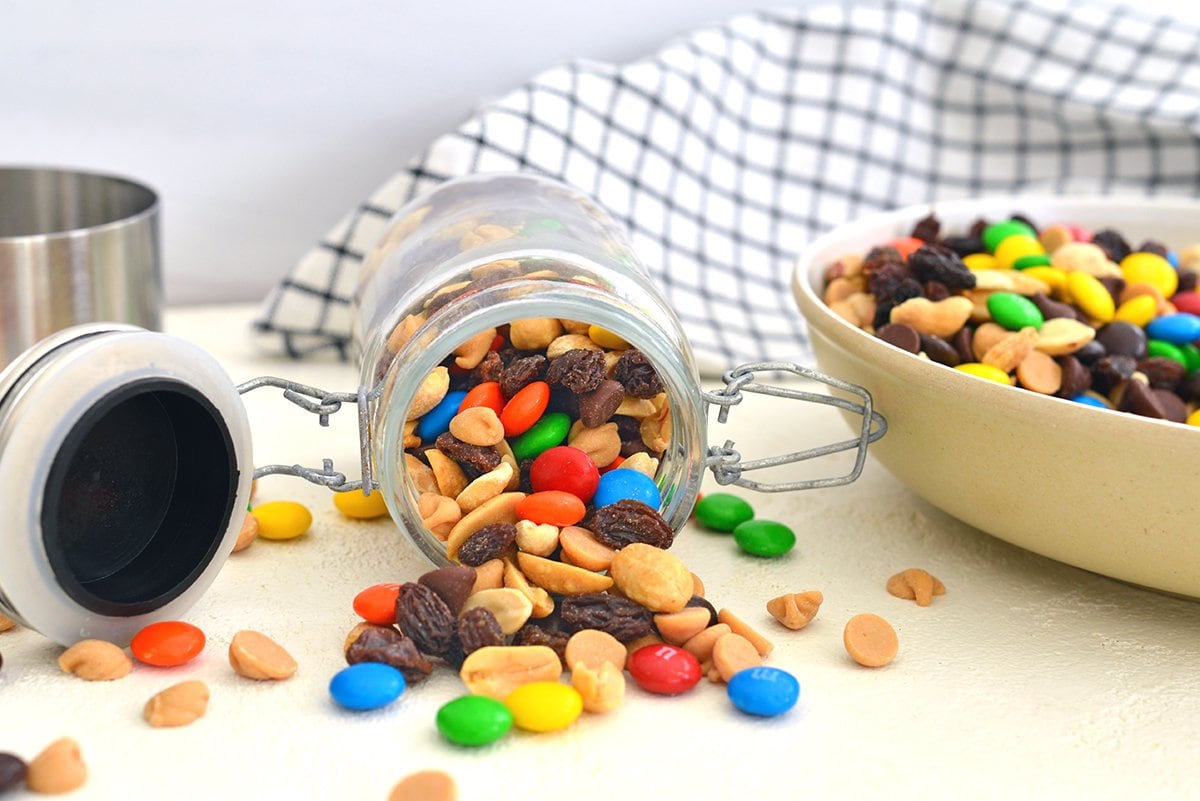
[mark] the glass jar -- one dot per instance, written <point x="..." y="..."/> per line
<point x="481" y="252"/>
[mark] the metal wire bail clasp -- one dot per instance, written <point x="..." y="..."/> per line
<point x="323" y="404"/>
<point x="726" y="462"/>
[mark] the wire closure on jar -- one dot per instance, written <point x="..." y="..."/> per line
<point x="726" y="462"/>
<point x="323" y="404"/>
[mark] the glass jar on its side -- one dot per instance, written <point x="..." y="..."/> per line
<point x="484" y="251"/>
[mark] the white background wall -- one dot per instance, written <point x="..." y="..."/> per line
<point x="261" y="123"/>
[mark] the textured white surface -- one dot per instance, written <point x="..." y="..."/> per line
<point x="1028" y="679"/>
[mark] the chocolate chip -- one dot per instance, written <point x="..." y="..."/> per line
<point x="1076" y="379"/>
<point x="1161" y="372"/>
<point x="12" y="771"/>
<point x="1051" y="308"/>
<point x="1140" y="399"/>
<point x="452" y="584"/>
<point x="939" y="350"/>
<point x="1123" y="339"/>
<point x="901" y="336"/>
<point x="599" y="405"/>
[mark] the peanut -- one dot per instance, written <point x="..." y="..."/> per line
<point x="697" y="585"/>
<point x="1011" y="350"/>
<point x="1054" y="237"/>
<point x="425" y="785"/>
<point x="915" y="584"/>
<point x="58" y="769"/>
<point x="470" y="353"/>
<point x="497" y="670"/>
<point x="985" y="337"/>
<point x="592" y="648"/>
<point x="575" y="326"/>
<point x="642" y="462"/>
<point x="602" y="688"/>
<point x="570" y="342"/>
<point x="438" y="513"/>
<point x="178" y="705"/>
<point x="7" y="623"/>
<point x="739" y="626"/>
<point x="403" y="332"/>
<point x="514" y="579"/>
<point x="493" y="266"/>
<point x="487" y="486"/>
<point x="95" y="660"/>
<point x="411" y="440"/>
<point x="795" y="610"/>
<point x="656" y="431"/>
<point x="430" y="393"/>
<point x="858" y="309"/>
<point x="257" y="656"/>
<point x="247" y="534"/>
<point x="679" y="627"/>
<point x="534" y="333"/>
<point x="1059" y="336"/>
<point x="539" y="539"/>
<point x="511" y="608"/>
<point x="1084" y="257"/>
<point x="635" y="407"/>
<point x="561" y="578"/>
<point x="420" y="474"/>
<point x="602" y="444"/>
<point x="450" y="478"/>
<point x="654" y="578"/>
<point x="489" y="576"/>
<point x="582" y="549"/>
<point x="733" y="653"/>
<point x="940" y="318"/>
<point x="841" y="288"/>
<point x="479" y="425"/>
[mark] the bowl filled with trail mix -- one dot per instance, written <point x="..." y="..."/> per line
<point x="1038" y="359"/>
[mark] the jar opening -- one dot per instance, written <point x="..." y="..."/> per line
<point x="139" y="497"/>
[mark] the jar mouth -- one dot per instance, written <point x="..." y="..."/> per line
<point x="679" y="473"/>
<point x="138" y="497"/>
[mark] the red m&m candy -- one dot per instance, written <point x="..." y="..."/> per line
<point x="567" y="469"/>
<point x="664" y="669"/>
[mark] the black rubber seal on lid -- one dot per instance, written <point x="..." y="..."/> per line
<point x="139" y="497"/>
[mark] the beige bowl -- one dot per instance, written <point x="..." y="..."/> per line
<point x="1107" y="491"/>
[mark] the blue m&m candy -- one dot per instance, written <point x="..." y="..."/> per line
<point x="763" y="691"/>
<point x="437" y="420"/>
<point x="619" y="485"/>
<point x="367" y="685"/>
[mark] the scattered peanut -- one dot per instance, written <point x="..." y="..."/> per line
<point x="178" y="705"/>
<point x="602" y="688"/>
<point x="248" y="533"/>
<point x="58" y="769"/>
<point x="95" y="660"/>
<point x="257" y="656"/>
<point x="425" y="785"/>
<point x="497" y="670"/>
<point x="7" y="623"/>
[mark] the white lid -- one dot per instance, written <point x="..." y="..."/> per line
<point x="125" y="469"/>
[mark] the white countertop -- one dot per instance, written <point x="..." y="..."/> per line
<point x="1027" y="679"/>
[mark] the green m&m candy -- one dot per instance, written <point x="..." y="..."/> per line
<point x="721" y="511"/>
<point x="547" y="432"/>
<point x="997" y="232"/>
<point x="764" y="538"/>
<point x="1014" y="311"/>
<point x="474" y="720"/>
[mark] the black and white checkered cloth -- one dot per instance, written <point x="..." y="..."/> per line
<point x="730" y="149"/>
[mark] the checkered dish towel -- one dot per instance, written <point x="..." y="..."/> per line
<point x="730" y="149"/>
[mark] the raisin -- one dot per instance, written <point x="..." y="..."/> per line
<point x="927" y="228"/>
<point x="1187" y="281"/>
<point x="483" y="458"/>
<point x="533" y="634"/>
<point x="936" y="263"/>
<point x="628" y="521"/>
<point x="1112" y="243"/>
<point x="565" y="401"/>
<point x="631" y="446"/>
<point x="386" y="645"/>
<point x="424" y="617"/>
<point x="1022" y="218"/>
<point x="521" y="373"/>
<point x="964" y="245"/>
<point x="620" y="617"/>
<point x="627" y="427"/>
<point x="487" y="543"/>
<point x="1114" y="285"/>
<point x="526" y="480"/>
<point x="1162" y="373"/>
<point x="478" y="628"/>
<point x="490" y="369"/>
<point x="578" y="370"/>
<point x="1189" y="390"/>
<point x="935" y="291"/>
<point x="976" y="230"/>
<point x="1153" y="246"/>
<point x="1051" y="308"/>
<point x="878" y="258"/>
<point x="637" y="374"/>
<point x="905" y="290"/>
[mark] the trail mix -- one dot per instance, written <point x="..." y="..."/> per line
<point x="1060" y="310"/>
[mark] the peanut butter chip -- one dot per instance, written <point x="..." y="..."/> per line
<point x="870" y="640"/>
<point x="178" y="705"/>
<point x="917" y="585"/>
<point x="95" y="660"/>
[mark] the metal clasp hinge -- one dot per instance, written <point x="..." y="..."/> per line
<point x="726" y="462"/>
<point x="323" y="404"/>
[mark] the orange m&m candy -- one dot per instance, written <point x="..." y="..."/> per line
<point x="167" y="644"/>
<point x="907" y="245"/>
<point x="377" y="604"/>
<point x="525" y="408"/>
<point x="555" y="507"/>
<point x="486" y="394"/>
